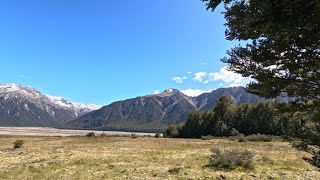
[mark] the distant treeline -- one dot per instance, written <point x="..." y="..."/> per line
<point x="262" y="118"/>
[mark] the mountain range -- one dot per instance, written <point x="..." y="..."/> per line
<point x="153" y="113"/>
<point x="26" y="106"/>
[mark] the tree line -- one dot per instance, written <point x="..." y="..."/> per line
<point x="259" y="118"/>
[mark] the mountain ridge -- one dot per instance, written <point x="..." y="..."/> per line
<point x="157" y="111"/>
<point x="26" y="106"/>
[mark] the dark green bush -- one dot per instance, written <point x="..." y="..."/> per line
<point x="172" y="131"/>
<point x="302" y="146"/>
<point x="316" y="159"/>
<point x="90" y="134"/>
<point x="18" y="144"/>
<point x="158" y="135"/>
<point x="231" y="159"/>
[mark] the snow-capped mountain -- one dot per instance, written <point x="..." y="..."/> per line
<point x="79" y="108"/>
<point x="26" y="106"/>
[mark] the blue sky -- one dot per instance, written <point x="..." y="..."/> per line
<point x="101" y="51"/>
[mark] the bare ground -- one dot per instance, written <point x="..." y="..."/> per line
<point x="44" y="131"/>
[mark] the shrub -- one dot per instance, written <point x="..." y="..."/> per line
<point x="18" y="144"/>
<point x="172" y="131"/>
<point x="158" y="135"/>
<point x="134" y="136"/>
<point x="104" y="135"/>
<point x="236" y="135"/>
<point x="316" y="159"/>
<point x="302" y="146"/>
<point x="234" y="132"/>
<point x="209" y="137"/>
<point x="231" y="159"/>
<point x="242" y="139"/>
<point x="259" y="137"/>
<point x="90" y="134"/>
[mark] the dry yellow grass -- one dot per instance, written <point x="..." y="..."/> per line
<point x="142" y="158"/>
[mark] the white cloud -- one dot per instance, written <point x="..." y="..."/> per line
<point x="156" y="92"/>
<point x="199" y="76"/>
<point x="194" y="92"/>
<point x="178" y="80"/>
<point x="189" y="72"/>
<point x="224" y="75"/>
<point x="185" y="77"/>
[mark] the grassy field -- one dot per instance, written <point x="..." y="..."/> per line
<point x="143" y="158"/>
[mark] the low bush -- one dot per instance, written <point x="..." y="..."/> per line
<point x="231" y="159"/>
<point x="234" y="132"/>
<point x="316" y="159"/>
<point x="172" y="131"/>
<point x="90" y="134"/>
<point x="302" y="146"/>
<point x="104" y="135"/>
<point x="134" y="136"/>
<point x="18" y="144"/>
<point x="259" y="138"/>
<point x="253" y="137"/>
<point x="242" y="139"/>
<point x="158" y="135"/>
<point x="209" y="137"/>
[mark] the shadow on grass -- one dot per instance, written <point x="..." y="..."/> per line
<point x="212" y="167"/>
<point x="226" y="169"/>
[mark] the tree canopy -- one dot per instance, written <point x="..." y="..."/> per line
<point x="282" y="53"/>
<point x="283" y="45"/>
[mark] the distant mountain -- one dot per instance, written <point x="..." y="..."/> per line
<point x="26" y="106"/>
<point x="156" y="112"/>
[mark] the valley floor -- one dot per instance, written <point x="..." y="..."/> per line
<point x="46" y="131"/>
<point x="143" y="158"/>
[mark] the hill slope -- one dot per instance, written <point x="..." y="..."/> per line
<point x="25" y="106"/>
<point x="156" y="112"/>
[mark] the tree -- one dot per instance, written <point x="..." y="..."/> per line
<point x="283" y="45"/>
<point x="282" y="53"/>
<point x="222" y="117"/>
<point x="173" y="131"/>
<point x="193" y="126"/>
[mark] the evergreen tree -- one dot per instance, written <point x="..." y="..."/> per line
<point x="282" y="52"/>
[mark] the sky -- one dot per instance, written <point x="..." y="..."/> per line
<point x="98" y="51"/>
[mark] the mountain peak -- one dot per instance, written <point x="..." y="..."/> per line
<point x="8" y="88"/>
<point x="61" y="101"/>
<point x="170" y="91"/>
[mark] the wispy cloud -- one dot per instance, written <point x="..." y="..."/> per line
<point x="199" y="76"/>
<point x="156" y="92"/>
<point x="179" y="80"/>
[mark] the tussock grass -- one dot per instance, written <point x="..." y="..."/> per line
<point x="144" y="158"/>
